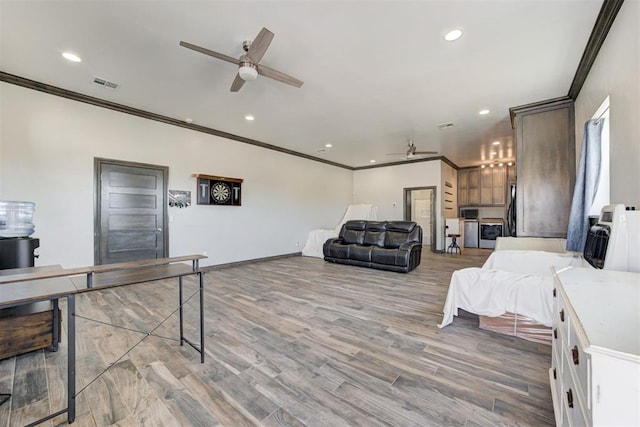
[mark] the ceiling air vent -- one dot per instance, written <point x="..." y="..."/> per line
<point x="105" y="83"/>
<point x="443" y="126"/>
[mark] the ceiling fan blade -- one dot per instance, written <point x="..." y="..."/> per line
<point x="396" y="154"/>
<point x="425" y="152"/>
<point x="260" y="45"/>
<point x="210" y="53"/>
<point x="277" y="75"/>
<point x="237" y="83"/>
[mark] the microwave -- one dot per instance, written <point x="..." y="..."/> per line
<point x="469" y="213"/>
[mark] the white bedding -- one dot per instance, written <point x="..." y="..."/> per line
<point x="494" y="292"/>
<point x="518" y="282"/>
<point x="317" y="238"/>
<point x="532" y="262"/>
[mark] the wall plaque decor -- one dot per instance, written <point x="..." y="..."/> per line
<point x="219" y="190"/>
<point x="179" y="198"/>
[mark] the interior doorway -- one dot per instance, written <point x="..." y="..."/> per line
<point x="130" y="212"/>
<point x="420" y="206"/>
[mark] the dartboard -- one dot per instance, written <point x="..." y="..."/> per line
<point x="220" y="192"/>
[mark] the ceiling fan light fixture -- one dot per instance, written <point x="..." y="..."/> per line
<point x="248" y="71"/>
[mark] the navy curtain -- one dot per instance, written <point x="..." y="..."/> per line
<point x="586" y="186"/>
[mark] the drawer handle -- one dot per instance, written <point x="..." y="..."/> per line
<point x="570" y="398"/>
<point x="554" y="292"/>
<point x="575" y="353"/>
<point x="555" y="333"/>
<point x="562" y="315"/>
<point x="555" y="376"/>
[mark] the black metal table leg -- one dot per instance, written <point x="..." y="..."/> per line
<point x="56" y="325"/>
<point x="71" y="358"/>
<point x="181" y="313"/>
<point x="200" y="275"/>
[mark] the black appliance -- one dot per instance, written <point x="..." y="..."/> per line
<point x="511" y="212"/>
<point x="595" y="248"/>
<point x="18" y="252"/>
<point x="469" y="213"/>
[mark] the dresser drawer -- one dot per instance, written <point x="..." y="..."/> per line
<point x="580" y="363"/>
<point x="571" y="401"/>
<point x="556" y="340"/>
<point x="561" y="319"/>
<point x="555" y="381"/>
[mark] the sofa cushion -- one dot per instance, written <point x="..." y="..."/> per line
<point x="399" y="232"/>
<point x="384" y="256"/>
<point x="374" y="234"/>
<point x="353" y="232"/>
<point x="360" y="253"/>
<point x="337" y="250"/>
<point x="406" y="226"/>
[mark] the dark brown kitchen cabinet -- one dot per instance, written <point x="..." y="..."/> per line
<point x="486" y="186"/>
<point x="469" y="187"/>
<point x="498" y="188"/>
<point x="481" y="186"/>
<point x="492" y="185"/>
<point x="463" y="187"/>
<point x="474" y="186"/>
<point x="545" y="150"/>
<point x="512" y="177"/>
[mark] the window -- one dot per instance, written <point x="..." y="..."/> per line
<point x="602" y="194"/>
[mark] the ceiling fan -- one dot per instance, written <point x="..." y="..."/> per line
<point x="249" y="64"/>
<point x="412" y="151"/>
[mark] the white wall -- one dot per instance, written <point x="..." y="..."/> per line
<point x="384" y="187"/>
<point x="616" y="72"/>
<point x="47" y="147"/>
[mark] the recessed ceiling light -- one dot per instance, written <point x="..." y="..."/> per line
<point x="328" y="145"/>
<point x="71" y="57"/>
<point x="510" y="163"/>
<point x="484" y="112"/>
<point x="188" y="120"/>
<point x="496" y="142"/>
<point x="249" y="117"/>
<point x="500" y="164"/>
<point x="483" y="166"/>
<point x="372" y="161"/>
<point x="453" y="35"/>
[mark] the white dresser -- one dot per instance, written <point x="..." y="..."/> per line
<point x="595" y="372"/>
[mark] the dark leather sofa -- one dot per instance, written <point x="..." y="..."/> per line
<point x="385" y="245"/>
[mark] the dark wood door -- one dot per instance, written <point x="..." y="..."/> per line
<point x="130" y="212"/>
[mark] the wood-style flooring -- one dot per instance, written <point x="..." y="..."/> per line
<point x="289" y="342"/>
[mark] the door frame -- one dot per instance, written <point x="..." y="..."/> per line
<point x="97" y="201"/>
<point x="407" y="209"/>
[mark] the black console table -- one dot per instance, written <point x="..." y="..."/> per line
<point x="35" y="285"/>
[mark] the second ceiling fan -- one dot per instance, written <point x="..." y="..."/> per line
<point x="249" y="64"/>
<point x="412" y="151"/>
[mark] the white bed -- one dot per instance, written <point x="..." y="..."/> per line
<point x="510" y="281"/>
